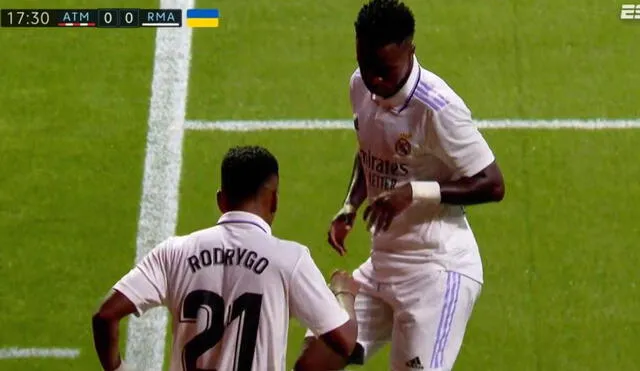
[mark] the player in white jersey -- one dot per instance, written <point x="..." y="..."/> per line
<point x="420" y="160"/>
<point x="232" y="288"/>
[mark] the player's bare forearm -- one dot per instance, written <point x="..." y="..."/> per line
<point x="320" y="353"/>
<point x="105" y="338"/>
<point x="345" y="217"/>
<point x="332" y="350"/>
<point x="486" y="186"/>
<point x="357" y="193"/>
<point x="106" y="329"/>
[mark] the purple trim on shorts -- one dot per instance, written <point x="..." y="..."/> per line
<point x="242" y="222"/>
<point x="439" y="356"/>
<point x="443" y="314"/>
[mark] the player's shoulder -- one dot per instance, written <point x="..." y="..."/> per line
<point x="355" y="77"/>
<point x="191" y="238"/>
<point x="292" y="247"/>
<point x="183" y="243"/>
<point x="435" y="94"/>
<point x="290" y="252"/>
<point x="171" y="243"/>
<point x="355" y="82"/>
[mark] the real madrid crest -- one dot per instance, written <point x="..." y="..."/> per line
<point x="403" y="145"/>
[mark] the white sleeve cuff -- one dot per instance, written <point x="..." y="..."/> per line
<point x="426" y="191"/>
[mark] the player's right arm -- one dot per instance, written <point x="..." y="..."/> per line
<point x="357" y="193"/>
<point x="143" y="288"/>
<point x="106" y="325"/>
<point x="343" y="220"/>
<point x="329" y="315"/>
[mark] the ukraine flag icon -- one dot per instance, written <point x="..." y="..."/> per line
<point x="203" y="18"/>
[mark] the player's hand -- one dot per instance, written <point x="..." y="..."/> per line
<point x="341" y="226"/>
<point x="342" y="281"/>
<point x="380" y="213"/>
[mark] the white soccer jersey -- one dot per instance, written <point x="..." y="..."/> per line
<point x="231" y="290"/>
<point x="424" y="132"/>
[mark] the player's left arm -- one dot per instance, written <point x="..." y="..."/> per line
<point x="466" y="149"/>
<point x="143" y="288"/>
<point x="468" y="152"/>
<point x="485" y="186"/>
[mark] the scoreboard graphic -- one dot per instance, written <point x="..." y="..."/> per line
<point x="108" y="18"/>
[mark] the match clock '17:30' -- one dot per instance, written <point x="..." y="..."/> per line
<point x="27" y="18"/>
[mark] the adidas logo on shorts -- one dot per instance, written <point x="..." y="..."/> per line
<point x="415" y="363"/>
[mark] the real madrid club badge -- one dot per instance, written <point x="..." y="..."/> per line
<point x="403" y="145"/>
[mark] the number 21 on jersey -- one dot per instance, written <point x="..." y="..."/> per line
<point x="246" y="305"/>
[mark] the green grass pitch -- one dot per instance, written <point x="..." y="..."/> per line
<point x="560" y="251"/>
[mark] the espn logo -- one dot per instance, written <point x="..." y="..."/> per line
<point x="630" y="11"/>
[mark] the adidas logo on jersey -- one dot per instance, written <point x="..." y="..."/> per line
<point x="415" y="363"/>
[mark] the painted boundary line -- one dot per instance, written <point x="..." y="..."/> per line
<point x="20" y="353"/>
<point x="163" y="162"/>
<point x="312" y="124"/>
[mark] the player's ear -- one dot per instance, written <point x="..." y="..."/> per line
<point x="274" y="201"/>
<point x="222" y="201"/>
<point x="274" y="183"/>
<point x="408" y="49"/>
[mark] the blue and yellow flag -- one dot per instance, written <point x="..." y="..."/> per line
<point x="203" y="17"/>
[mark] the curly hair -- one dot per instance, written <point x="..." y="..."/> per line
<point x="382" y="22"/>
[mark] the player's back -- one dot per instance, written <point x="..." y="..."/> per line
<point x="228" y="289"/>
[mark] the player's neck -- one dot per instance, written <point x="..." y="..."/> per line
<point x="404" y="80"/>
<point x="255" y="209"/>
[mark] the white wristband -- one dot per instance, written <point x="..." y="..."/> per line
<point x="426" y="191"/>
<point x="348" y="209"/>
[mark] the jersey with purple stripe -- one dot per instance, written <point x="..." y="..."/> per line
<point x="426" y="94"/>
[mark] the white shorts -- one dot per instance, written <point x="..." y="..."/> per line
<point x="424" y="318"/>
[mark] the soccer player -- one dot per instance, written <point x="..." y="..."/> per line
<point x="231" y="288"/>
<point x="420" y="161"/>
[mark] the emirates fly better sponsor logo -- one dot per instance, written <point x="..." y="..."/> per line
<point x="630" y="11"/>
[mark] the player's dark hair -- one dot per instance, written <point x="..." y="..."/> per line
<point x="244" y="170"/>
<point x="382" y="22"/>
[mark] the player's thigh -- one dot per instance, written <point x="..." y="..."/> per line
<point x="374" y="316"/>
<point x="375" y="321"/>
<point x="430" y="321"/>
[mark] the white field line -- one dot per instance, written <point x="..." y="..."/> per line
<point x="313" y="124"/>
<point x="20" y="353"/>
<point x="159" y="205"/>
